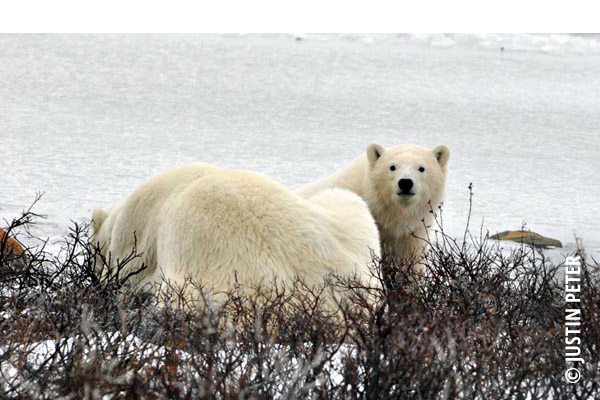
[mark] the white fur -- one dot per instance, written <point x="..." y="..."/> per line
<point x="216" y="224"/>
<point x="398" y="217"/>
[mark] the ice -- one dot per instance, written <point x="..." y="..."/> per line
<point x="86" y="118"/>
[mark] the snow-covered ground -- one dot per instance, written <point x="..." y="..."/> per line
<point x="86" y="118"/>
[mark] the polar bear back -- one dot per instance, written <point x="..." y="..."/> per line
<point x="131" y="226"/>
<point x="242" y="225"/>
<point x="221" y="226"/>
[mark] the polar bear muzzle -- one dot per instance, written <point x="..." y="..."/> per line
<point x="405" y="186"/>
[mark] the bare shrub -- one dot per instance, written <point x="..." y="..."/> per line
<point x="484" y="324"/>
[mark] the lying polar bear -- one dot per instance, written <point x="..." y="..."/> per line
<point x="222" y="226"/>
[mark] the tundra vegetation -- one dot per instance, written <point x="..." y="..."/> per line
<point x="485" y="324"/>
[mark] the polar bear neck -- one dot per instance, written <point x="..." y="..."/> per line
<point x="393" y="220"/>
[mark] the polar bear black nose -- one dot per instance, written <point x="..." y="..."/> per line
<point x="405" y="184"/>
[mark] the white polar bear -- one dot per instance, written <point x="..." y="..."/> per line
<point x="224" y="226"/>
<point x="401" y="185"/>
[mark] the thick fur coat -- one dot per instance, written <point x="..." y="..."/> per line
<point x="223" y="226"/>
<point x="401" y="185"/>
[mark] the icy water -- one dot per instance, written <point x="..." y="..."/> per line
<point x="86" y="118"/>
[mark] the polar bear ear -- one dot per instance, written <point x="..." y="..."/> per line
<point x="442" y="154"/>
<point x="374" y="151"/>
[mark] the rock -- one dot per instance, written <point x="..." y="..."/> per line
<point x="10" y="245"/>
<point x="527" y="237"/>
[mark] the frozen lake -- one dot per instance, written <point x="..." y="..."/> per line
<point x="86" y="118"/>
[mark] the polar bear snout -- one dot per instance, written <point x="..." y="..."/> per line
<point x="405" y="185"/>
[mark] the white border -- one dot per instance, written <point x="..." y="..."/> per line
<point x="299" y="16"/>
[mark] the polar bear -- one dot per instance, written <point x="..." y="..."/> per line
<point x="224" y="227"/>
<point x="401" y="185"/>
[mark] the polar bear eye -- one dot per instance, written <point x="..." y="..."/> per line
<point x="421" y="169"/>
<point x="392" y="167"/>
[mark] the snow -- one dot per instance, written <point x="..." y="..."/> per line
<point x="86" y="118"/>
<point x="293" y="370"/>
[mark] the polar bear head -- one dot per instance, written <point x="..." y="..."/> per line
<point x="407" y="177"/>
